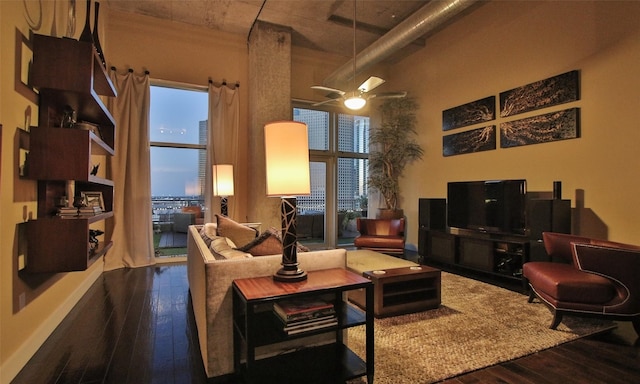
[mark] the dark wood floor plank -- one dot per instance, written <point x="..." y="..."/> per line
<point x="136" y="326"/>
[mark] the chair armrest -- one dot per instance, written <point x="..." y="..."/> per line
<point x="621" y="265"/>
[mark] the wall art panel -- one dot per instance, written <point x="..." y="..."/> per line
<point x="475" y="112"/>
<point x="541" y="94"/>
<point x="475" y="140"/>
<point x="554" y="126"/>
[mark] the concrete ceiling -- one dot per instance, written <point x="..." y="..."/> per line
<point x="323" y="25"/>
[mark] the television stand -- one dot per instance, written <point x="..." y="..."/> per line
<point x="497" y="256"/>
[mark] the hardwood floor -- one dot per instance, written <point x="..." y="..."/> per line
<point x="136" y="326"/>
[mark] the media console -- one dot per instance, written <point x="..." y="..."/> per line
<point x="496" y="254"/>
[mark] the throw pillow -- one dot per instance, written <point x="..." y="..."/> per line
<point x="238" y="233"/>
<point x="278" y="234"/>
<point x="265" y="244"/>
<point x="208" y="232"/>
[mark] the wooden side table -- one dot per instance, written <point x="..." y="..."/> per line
<point x="405" y="290"/>
<point x="256" y="325"/>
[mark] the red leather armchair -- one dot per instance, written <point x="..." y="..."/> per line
<point x="381" y="235"/>
<point x="598" y="278"/>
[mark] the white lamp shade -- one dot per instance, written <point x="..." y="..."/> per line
<point x="287" y="158"/>
<point x="223" y="180"/>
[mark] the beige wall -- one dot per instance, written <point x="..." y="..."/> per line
<point x="503" y="45"/>
<point x="499" y="46"/>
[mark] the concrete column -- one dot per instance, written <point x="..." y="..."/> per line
<point x="269" y="100"/>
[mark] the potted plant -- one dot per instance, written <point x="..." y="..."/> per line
<point x="393" y="146"/>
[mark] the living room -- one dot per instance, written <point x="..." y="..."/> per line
<point x="497" y="47"/>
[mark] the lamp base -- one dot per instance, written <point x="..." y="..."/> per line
<point x="286" y="275"/>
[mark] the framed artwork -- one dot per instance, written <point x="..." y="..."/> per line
<point x="475" y="140"/>
<point x="93" y="199"/>
<point x="478" y="111"/>
<point x="554" y="126"/>
<point x="555" y="90"/>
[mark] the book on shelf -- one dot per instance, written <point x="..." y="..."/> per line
<point x="89" y="211"/>
<point x="302" y="309"/>
<point x="67" y="211"/>
<point x="318" y="324"/>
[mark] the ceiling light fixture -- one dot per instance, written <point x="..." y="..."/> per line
<point x="355" y="101"/>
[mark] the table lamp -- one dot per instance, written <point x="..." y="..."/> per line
<point x="287" y="171"/>
<point x="223" y="185"/>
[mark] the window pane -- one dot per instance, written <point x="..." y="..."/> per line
<point x="177" y="114"/>
<point x="177" y="172"/>
<point x="353" y="133"/>
<point x="352" y="196"/>
<point x="311" y="209"/>
<point x="318" y="125"/>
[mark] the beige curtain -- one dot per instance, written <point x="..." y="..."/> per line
<point x="222" y="132"/>
<point x="130" y="170"/>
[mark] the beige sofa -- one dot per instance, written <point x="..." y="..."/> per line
<point x="211" y="294"/>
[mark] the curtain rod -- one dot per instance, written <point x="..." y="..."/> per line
<point x="130" y="70"/>
<point x="224" y="82"/>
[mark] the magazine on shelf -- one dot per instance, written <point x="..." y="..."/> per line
<point x="293" y="330"/>
<point x="302" y="309"/>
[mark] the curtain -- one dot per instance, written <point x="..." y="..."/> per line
<point x="130" y="170"/>
<point x="222" y="136"/>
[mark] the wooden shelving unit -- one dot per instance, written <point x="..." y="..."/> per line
<point x="68" y="74"/>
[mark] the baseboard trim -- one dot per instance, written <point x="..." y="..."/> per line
<point x="12" y="366"/>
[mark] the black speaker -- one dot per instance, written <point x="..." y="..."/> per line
<point x="548" y="216"/>
<point x="432" y="213"/>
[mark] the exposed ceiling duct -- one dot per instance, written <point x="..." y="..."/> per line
<point x="423" y="21"/>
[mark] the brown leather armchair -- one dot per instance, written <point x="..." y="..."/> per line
<point x="598" y="278"/>
<point x="381" y="235"/>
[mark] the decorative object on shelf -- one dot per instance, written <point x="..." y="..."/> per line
<point x="71" y="19"/>
<point x="393" y="147"/>
<point x="93" y="238"/>
<point x="94" y="169"/>
<point x="287" y="163"/>
<point x="223" y="185"/>
<point x="93" y="199"/>
<point x="86" y="35"/>
<point x="96" y="39"/>
<point x="469" y="114"/>
<point x="69" y="117"/>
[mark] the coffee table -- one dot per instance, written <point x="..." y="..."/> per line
<point x="403" y="290"/>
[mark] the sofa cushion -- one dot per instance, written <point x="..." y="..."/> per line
<point x="265" y="244"/>
<point x="564" y="282"/>
<point x="221" y="250"/>
<point x="238" y="233"/>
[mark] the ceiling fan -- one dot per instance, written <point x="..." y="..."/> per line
<point x="357" y="98"/>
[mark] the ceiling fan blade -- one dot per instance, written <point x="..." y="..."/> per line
<point x="323" y="102"/>
<point x="388" y="95"/>
<point x="332" y="90"/>
<point x="371" y="83"/>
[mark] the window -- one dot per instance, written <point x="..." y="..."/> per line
<point x="178" y="145"/>
<point x="339" y="150"/>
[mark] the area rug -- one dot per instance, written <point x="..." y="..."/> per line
<point x="477" y="325"/>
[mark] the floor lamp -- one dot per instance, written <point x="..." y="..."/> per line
<point x="287" y="171"/>
<point x="223" y="185"/>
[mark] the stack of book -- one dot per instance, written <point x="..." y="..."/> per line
<point x="302" y="315"/>
<point x="89" y="211"/>
<point x="67" y="211"/>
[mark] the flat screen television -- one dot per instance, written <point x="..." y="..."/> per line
<point x="496" y="206"/>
